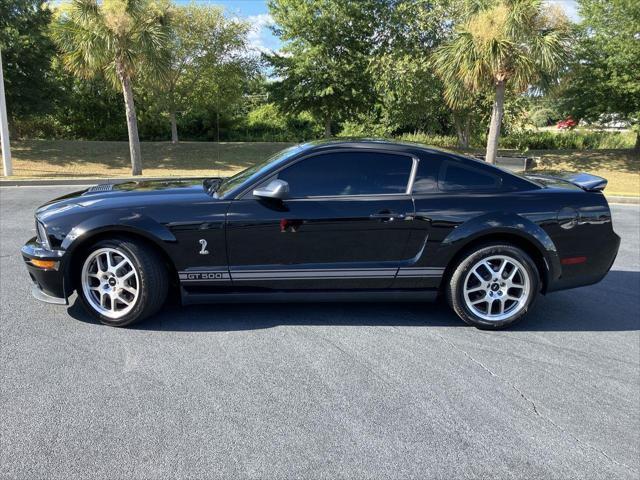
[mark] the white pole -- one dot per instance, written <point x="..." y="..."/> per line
<point x="4" y="128"/>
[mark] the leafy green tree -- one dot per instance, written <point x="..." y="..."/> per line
<point x="408" y="91"/>
<point x="322" y="67"/>
<point x="116" y="38"/>
<point x="205" y="48"/>
<point x="604" y="76"/>
<point x="510" y="43"/>
<point x="26" y="55"/>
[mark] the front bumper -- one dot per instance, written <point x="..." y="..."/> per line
<point x="48" y="283"/>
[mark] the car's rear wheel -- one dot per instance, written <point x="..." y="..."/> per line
<point x="493" y="286"/>
<point x="122" y="281"/>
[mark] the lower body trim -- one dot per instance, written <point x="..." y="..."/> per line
<point x="311" y="296"/>
<point x="38" y="294"/>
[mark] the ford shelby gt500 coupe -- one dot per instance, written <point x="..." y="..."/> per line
<point x="339" y="220"/>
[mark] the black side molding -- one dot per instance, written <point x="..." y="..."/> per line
<point x="310" y="296"/>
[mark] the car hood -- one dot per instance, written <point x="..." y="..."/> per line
<point x="131" y="195"/>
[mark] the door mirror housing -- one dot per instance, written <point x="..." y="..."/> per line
<point x="276" y="189"/>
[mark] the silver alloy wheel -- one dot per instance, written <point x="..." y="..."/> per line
<point x="110" y="282"/>
<point x="496" y="288"/>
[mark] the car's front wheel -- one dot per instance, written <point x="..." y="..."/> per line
<point x="122" y="281"/>
<point x="493" y="286"/>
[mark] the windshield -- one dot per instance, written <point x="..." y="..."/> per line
<point x="254" y="172"/>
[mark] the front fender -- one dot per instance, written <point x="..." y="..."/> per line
<point x="499" y="223"/>
<point x="135" y="222"/>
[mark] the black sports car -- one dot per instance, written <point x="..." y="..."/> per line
<point x="339" y="220"/>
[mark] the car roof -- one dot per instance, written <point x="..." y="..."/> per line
<point x="371" y="143"/>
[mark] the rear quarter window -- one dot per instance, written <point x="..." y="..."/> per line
<point x="457" y="176"/>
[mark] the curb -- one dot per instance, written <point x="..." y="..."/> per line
<point x="623" y="199"/>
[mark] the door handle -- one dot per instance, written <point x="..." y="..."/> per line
<point x="388" y="216"/>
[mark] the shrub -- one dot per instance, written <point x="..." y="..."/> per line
<point x="567" y="140"/>
<point x="266" y="123"/>
<point x="443" y="141"/>
<point x="365" y="126"/>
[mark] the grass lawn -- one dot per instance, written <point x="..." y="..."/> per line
<point x="620" y="167"/>
<point x="66" y="158"/>
<point x="59" y="158"/>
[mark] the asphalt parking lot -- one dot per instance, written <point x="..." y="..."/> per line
<point x="319" y="391"/>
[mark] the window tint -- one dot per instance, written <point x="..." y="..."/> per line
<point x="427" y="175"/>
<point x="462" y="177"/>
<point x="348" y="173"/>
<point x="251" y="173"/>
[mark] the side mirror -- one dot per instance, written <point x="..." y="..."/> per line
<point x="278" y="189"/>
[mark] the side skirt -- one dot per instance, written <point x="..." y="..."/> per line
<point x="306" y="296"/>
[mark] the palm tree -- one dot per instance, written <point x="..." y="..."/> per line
<point x="117" y="38"/>
<point x="509" y="43"/>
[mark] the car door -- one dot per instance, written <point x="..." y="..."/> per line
<point x="344" y="225"/>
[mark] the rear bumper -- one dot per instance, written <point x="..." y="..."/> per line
<point x="48" y="283"/>
<point x="593" y="270"/>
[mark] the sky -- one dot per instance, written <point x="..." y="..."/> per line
<point x="257" y="13"/>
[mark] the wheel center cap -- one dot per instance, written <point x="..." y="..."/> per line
<point x="112" y="282"/>
<point x="495" y="287"/>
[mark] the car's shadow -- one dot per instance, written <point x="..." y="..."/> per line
<point x="611" y="305"/>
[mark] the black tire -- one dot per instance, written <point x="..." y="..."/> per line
<point x="454" y="289"/>
<point x="152" y="275"/>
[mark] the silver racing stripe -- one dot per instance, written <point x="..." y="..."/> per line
<point x="307" y="274"/>
<point x="420" y="272"/>
<point x="312" y="273"/>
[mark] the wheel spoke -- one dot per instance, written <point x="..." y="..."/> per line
<point x="120" y="264"/>
<point x="131" y="290"/>
<point x="123" y="300"/>
<point x="488" y="266"/>
<point x="502" y="267"/>
<point x="479" y="301"/>
<point x="478" y="276"/>
<point x="475" y="289"/>
<point x="512" y="274"/>
<point x="127" y="275"/>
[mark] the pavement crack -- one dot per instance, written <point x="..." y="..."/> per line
<point x="355" y="359"/>
<point x="580" y="443"/>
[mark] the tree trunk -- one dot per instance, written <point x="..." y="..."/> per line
<point x="496" y="121"/>
<point x="132" y="124"/>
<point x="327" y="127"/>
<point x="636" y="148"/>
<point x="174" y="128"/>
<point x="463" y="130"/>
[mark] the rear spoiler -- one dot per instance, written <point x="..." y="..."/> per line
<point x="586" y="181"/>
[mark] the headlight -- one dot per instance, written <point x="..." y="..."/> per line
<point x="42" y="237"/>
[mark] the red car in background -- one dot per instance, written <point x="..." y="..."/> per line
<point x="566" y="124"/>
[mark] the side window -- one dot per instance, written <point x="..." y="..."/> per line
<point x="426" y="180"/>
<point x="454" y="176"/>
<point x="348" y="173"/>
